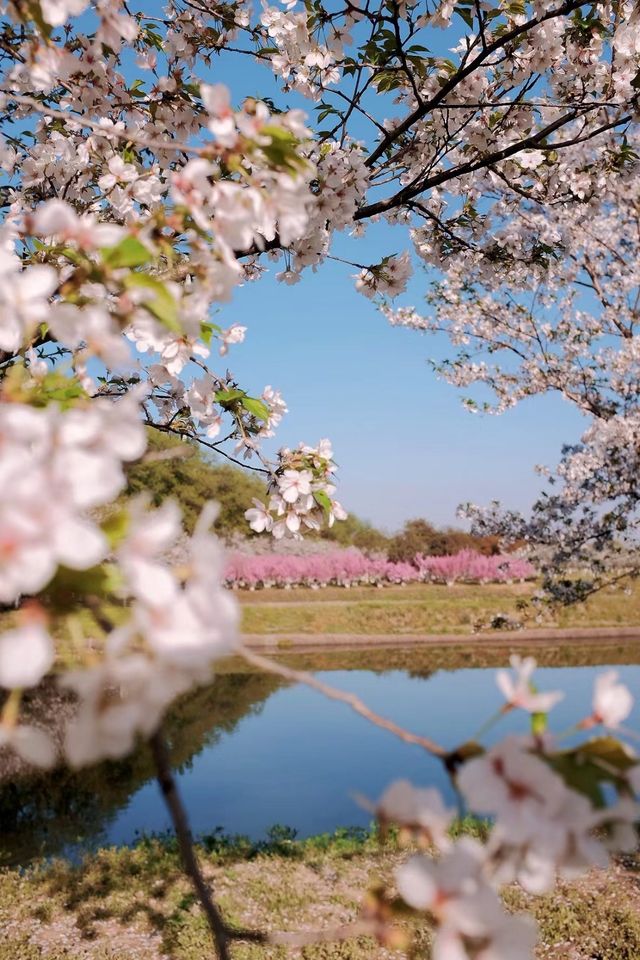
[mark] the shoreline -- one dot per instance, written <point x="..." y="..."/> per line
<point x="544" y="636"/>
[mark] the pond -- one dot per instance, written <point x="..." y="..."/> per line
<point x="253" y="751"/>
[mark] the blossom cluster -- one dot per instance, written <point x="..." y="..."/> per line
<point x="127" y="222"/>
<point x="349" y="568"/>
<point x="387" y="278"/>
<point x="170" y="624"/>
<point x="301" y="494"/>
<point x="547" y="821"/>
<point x="546" y="302"/>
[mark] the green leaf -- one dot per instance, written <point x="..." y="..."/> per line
<point x="281" y="151"/>
<point x="609" y="751"/>
<point x="73" y="255"/>
<point x="154" y="38"/>
<point x="130" y="252"/>
<point x="228" y="397"/>
<point x="136" y="89"/>
<point x="55" y="387"/>
<point x="598" y="761"/>
<point x="323" y="501"/>
<point x="68" y="586"/>
<point x="466" y="15"/>
<point x="257" y="408"/>
<point x="538" y="723"/>
<point x="162" y="305"/>
<point x="579" y="777"/>
<point x="207" y="330"/>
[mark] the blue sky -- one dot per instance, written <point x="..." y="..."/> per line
<point x="405" y="445"/>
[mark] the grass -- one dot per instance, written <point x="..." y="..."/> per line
<point x="134" y="903"/>
<point x="424" y="609"/>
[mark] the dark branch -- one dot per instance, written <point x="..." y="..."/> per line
<point x="418" y="186"/>
<point x="168" y="787"/>
<point x="422" y="110"/>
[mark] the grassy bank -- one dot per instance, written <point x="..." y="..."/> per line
<point x="419" y="610"/>
<point x="423" y="609"/>
<point x="133" y="904"/>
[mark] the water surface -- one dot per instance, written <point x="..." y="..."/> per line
<point x="252" y="752"/>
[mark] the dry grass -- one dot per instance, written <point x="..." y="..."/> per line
<point x="424" y="609"/>
<point x="135" y="904"/>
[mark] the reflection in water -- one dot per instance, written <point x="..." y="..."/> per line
<point x="252" y="751"/>
<point x="43" y="815"/>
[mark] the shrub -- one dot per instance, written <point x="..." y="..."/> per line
<point x="346" y="568"/>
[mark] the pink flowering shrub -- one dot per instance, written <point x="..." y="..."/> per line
<point x="470" y="565"/>
<point x="346" y="568"/>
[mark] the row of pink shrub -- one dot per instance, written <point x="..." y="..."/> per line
<point x="348" y="568"/>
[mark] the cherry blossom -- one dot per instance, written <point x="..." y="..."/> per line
<point x="56" y="12"/>
<point x="23" y="300"/>
<point x="149" y="536"/>
<point x="140" y="194"/>
<point x="259" y="517"/>
<point x="420" y="811"/>
<point x="294" y="484"/>
<point x="471" y="920"/>
<point x="386" y="278"/>
<point x="512" y="784"/>
<point x="26" y="655"/>
<point x="612" y="701"/>
<point x="520" y="692"/>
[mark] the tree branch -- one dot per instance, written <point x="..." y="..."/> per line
<point x="351" y="700"/>
<point x="418" y="186"/>
<point x="423" y="109"/>
<point x="169" y="789"/>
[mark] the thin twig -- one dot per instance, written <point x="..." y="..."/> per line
<point x="124" y="134"/>
<point x="351" y="700"/>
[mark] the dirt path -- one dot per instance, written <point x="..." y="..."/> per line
<point x="349" y="602"/>
<point x="585" y="636"/>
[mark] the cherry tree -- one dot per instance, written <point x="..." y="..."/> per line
<point x="546" y="298"/>
<point x="139" y="192"/>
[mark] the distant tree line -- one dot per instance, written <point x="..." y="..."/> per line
<point x="180" y="469"/>
<point x="175" y="468"/>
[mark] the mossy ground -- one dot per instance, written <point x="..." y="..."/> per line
<point x="134" y="904"/>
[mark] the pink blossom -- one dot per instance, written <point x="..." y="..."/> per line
<point x="350" y="567"/>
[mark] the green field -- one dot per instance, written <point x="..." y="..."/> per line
<point x="423" y="609"/>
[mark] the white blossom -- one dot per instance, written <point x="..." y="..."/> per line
<point x="26" y="655"/>
<point x="520" y="692"/>
<point x="612" y="701"/>
<point x="420" y="810"/>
